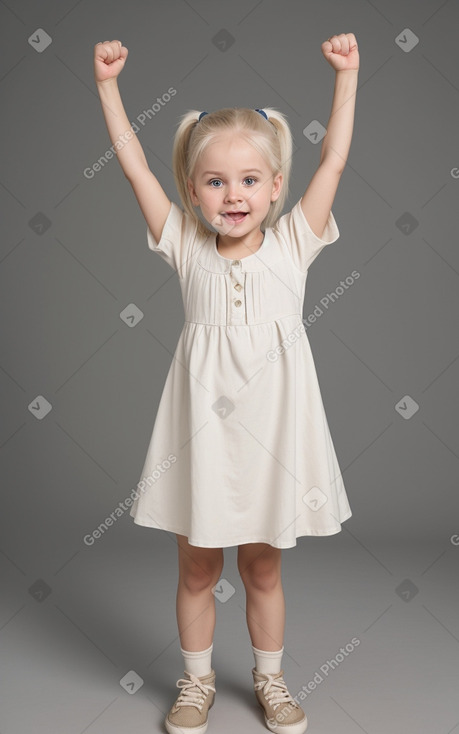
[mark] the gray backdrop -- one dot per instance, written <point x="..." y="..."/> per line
<point x="88" y="635"/>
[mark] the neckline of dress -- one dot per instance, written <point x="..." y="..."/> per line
<point x="246" y="257"/>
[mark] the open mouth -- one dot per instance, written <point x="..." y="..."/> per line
<point x="235" y="216"/>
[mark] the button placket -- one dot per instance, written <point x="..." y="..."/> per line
<point x="238" y="311"/>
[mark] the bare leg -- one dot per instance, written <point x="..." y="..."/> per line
<point x="259" y="566"/>
<point x="199" y="571"/>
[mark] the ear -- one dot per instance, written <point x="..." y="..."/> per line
<point x="192" y="191"/>
<point x="277" y="186"/>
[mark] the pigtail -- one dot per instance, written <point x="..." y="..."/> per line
<point x="283" y="164"/>
<point x="180" y="149"/>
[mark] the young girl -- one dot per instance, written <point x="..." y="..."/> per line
<point x="241" y="452"/>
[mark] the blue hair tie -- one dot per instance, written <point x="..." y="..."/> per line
<point x="262" y="112"/>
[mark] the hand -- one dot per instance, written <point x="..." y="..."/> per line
<point x="341" y="51"/>
<point x="109" y="59"/>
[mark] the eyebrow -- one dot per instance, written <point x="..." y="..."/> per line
<point x="247" y="170"/>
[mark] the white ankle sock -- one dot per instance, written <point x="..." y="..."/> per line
<point x="267" y="661"/>
<point x="198" y="663"/>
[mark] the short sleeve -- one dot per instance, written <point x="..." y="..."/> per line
<point x="299" y="239"/>
<point x="177" y="238"/>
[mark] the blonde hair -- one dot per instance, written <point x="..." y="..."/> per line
<point x="272" y="138"/>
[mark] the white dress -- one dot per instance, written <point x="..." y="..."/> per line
<point x="241" y="450"/>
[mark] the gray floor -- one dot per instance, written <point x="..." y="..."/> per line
<point x="112" y="611"/>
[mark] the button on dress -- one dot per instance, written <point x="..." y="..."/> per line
<point x="241" y="451"/>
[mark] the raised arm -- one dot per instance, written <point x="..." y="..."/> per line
<point x="342" y="54"/>
<point x="109" y="60"/>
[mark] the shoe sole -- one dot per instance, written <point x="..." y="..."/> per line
<point x="298" y="728"/>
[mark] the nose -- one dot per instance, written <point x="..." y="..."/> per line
<point x="233" y="193"/>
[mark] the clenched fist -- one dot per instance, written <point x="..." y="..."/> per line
<point x="109" y="59"/>
<point x="341" y="51"/>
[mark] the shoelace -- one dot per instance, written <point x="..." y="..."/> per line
<point x="194" y="692"/>
<point x="275" y="691"/>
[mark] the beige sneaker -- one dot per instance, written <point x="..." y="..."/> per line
<point x="188" y="714"/>
<point x="283" y="714"/>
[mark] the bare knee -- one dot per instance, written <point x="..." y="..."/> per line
<point x="199" y="568"/>
<point x="198" y="578"/>
<point x="262" y="573"/>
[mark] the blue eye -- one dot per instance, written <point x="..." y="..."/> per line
<point x="212" y="181"/>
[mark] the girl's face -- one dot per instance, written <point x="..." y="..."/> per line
<point x="231" y="176"/>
